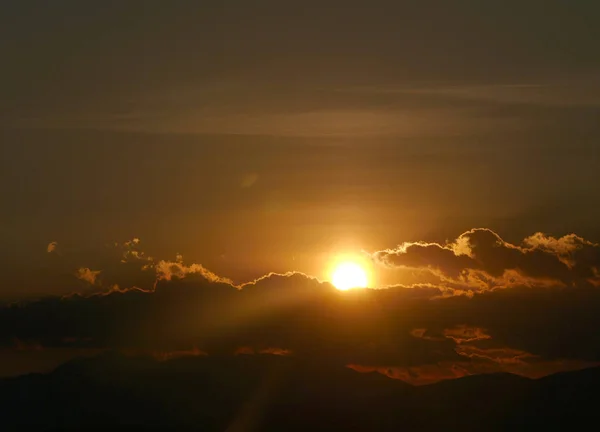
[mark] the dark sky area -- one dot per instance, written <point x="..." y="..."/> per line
<point x="142" y="141"/>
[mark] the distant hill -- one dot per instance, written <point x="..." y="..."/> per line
<point x="274" y="393"/>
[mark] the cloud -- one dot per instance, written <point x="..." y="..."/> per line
<point x="134" y="241"/>
<point x="548" y="94"/>
<point x="417" y="375"/>
<point x="482" y="359"/>
<point x="169" y="355"/>
<point x="481" y="260"/>
<point x="462" y="334"/>
<point x="497" y="355"/>
<point x="167" y="270"/>
<point x="432" y="373"/>
<point x="400" y="328"/>
<point x="90" y="276"/>
<point x="269" y="350"/>
<point x="544" y="317"/>
<point x="125" y="265"/>
<point x="131" y="251"/>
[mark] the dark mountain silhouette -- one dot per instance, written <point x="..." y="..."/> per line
<point x="275" y="393"/>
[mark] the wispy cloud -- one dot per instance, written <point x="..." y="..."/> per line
<point x="558" y="93"/>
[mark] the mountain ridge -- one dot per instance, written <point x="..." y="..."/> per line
<point x="268" y="392"/>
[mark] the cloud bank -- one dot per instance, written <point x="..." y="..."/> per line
<point x="480" y="260"/>
<point x="532" y="310"/>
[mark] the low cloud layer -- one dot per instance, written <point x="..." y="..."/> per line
<point x="531" y="310"/>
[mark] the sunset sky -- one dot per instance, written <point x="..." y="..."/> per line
<point x="451" y="149"/>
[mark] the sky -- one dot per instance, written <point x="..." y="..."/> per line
<point x="451" y="146"/>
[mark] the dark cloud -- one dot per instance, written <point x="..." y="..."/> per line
<point x="544" y="317"/>
<point x="480" y="259"/>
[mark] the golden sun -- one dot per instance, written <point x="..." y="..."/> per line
<point x="348" y="275"/>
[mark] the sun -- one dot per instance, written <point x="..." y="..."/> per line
<point x="348" y="275"/>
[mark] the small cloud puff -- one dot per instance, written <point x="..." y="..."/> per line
<point x="85" y="274"/>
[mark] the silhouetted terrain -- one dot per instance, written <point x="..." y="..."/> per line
<point x="263" y="392"/>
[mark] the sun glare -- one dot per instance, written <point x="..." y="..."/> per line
<point x="348" y="275"/>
